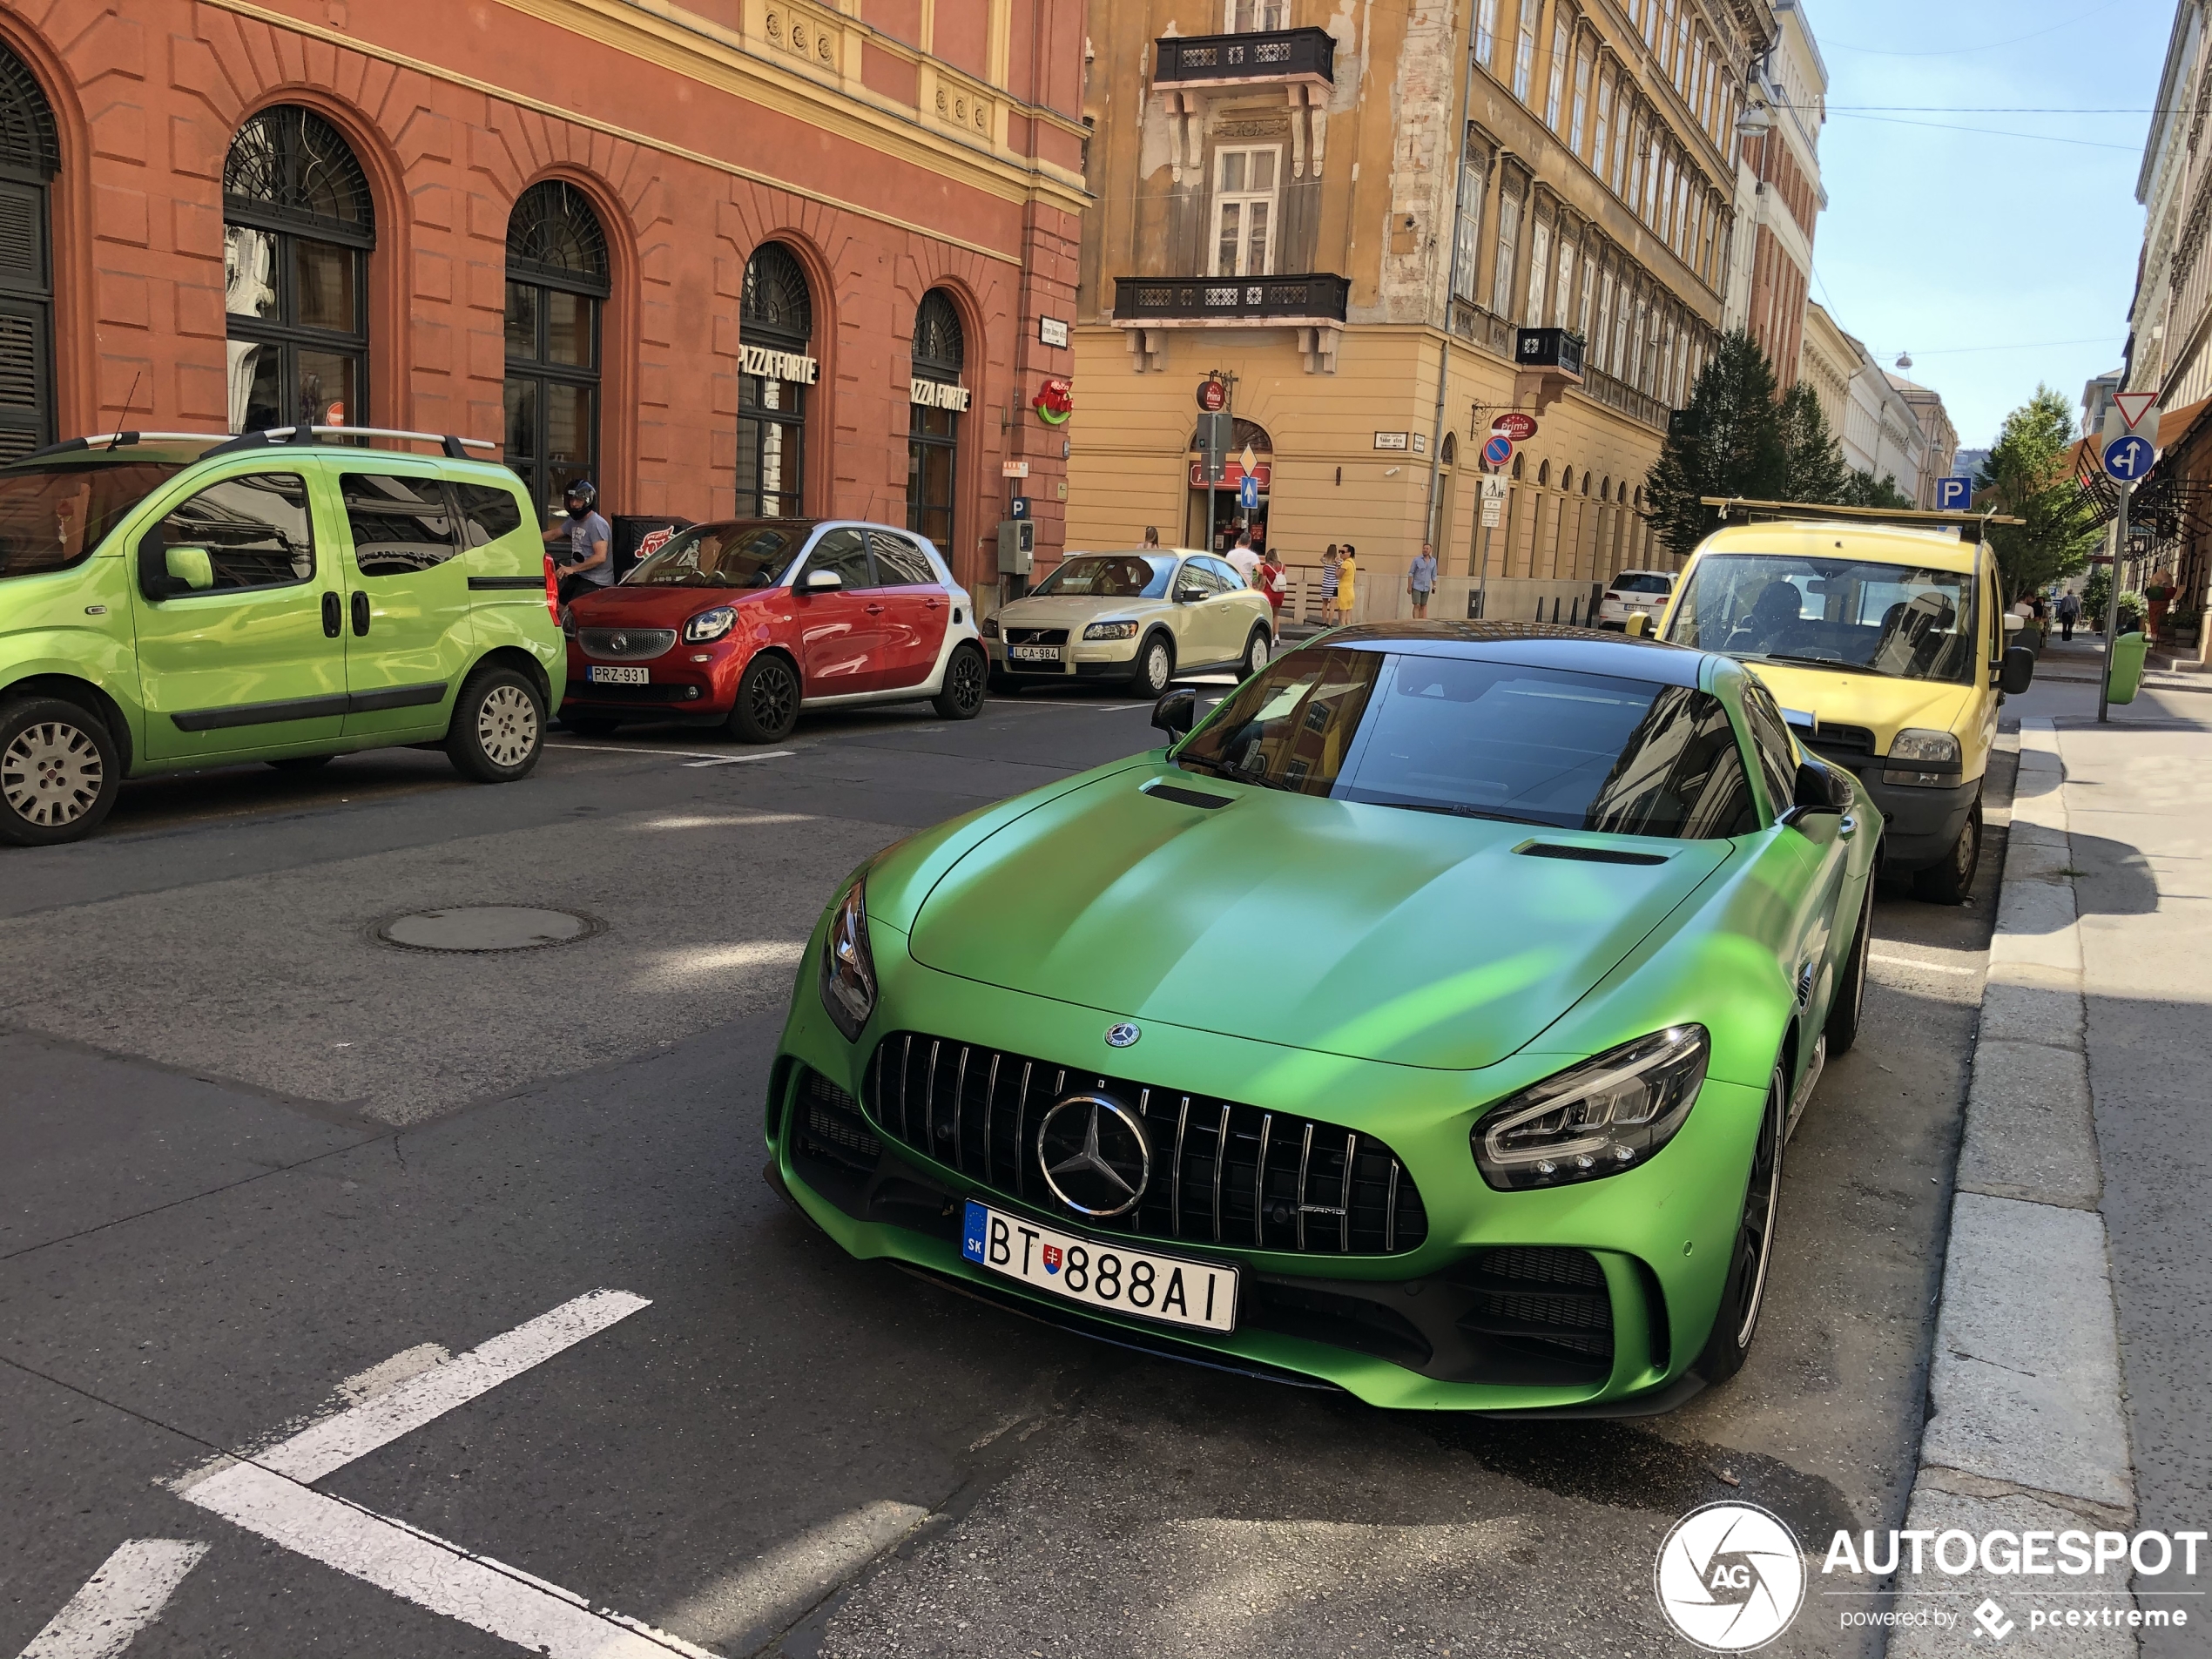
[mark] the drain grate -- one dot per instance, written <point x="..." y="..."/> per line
<point x="483" y="928"/>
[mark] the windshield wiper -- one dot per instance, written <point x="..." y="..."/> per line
<point x="1820" y="662"/>
<point x="1458" y="811"/>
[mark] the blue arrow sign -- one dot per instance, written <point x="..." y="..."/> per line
<point x="2128" y="458"/>
<point x="1955" y="495"/>
<point x="1497" y="450"/>
<point x="1248" y="493"/>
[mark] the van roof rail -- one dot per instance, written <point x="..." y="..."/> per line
<point x="455" y="449"/>
<point x="112" y="440"/>
<point x="1734" y="509"/>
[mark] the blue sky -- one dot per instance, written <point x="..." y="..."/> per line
<point x="1947" y="243"/>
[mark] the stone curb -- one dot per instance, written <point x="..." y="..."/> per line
<point x="2027" y="1425"/>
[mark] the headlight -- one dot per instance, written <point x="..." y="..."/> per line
<point x="1599" y="1119"/>
<point x="848" y="968"/>
<point x="709" y="624"/>
<point x="568" y="622"/>
<point x="990" y="628"/>
<point x="1110" y="631"/>
<point x="1922" y="757"/>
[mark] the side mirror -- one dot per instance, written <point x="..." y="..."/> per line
<point x="1175" y="712"/>
<point x="820" y="582"/>
<point x="1189" y="596"/>
<point x="1820" y="790"/>
<point x="2018" y="671"/>
<point x="191" y="566"/>
<point x="2014" y="622"/>
<point x="154" y="579"/>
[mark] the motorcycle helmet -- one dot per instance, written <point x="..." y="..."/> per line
<point x="580" y="497"/>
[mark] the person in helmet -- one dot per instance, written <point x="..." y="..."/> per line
<point x="591" y="557"/>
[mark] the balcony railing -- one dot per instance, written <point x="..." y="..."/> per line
<point x="1277" y="55"/>
<point x="1619" y="394"/>
<point x="1271" y="299"/>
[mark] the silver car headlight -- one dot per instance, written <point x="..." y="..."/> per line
<point x="1110" y="631"/>
<point x="1922" y="757"/>
<point x="710" y="625"/>
<point x="849" y="965"/>
<point x="1596" y="1119"/>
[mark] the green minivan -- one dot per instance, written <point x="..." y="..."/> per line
<point x="174" y="600"/>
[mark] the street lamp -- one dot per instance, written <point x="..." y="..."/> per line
<point x="1904" y="360"/>
<point x="1755" y="119"/>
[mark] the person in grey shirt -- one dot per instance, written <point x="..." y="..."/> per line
<point x="590" y="563"/>
<point x="1420" y="581"/>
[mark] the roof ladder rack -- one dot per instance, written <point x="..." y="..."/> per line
<point x="454" y="447"/>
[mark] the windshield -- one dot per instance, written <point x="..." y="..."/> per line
<point x="751" y="553"/>
<point x="1892" y="619"/>
<point x="54" y="513"/>
<point x="1476" y="738"/>
<point x="1109" y="576"/>
<point x="1642" y="581"/>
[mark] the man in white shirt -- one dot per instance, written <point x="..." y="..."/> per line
<point x="1244" y="558"/>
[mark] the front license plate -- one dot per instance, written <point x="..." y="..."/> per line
<point x="1173" y="1289"/>
<point x="620" y="676"/>
<point x="1034" y="653"/>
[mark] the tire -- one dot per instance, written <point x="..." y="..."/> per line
<point x="1155" y="666"/>
<point x="303" y="763"/>
<point x="767" y="705"/>
<point x="1951" y="879"/>
<point x="1843" y="1012"/>
<point x="585" y="726"/>
<point x="1258" y="650"/>
<point x="1736" y="1322"/>
<point x="498" y="729"/>
<point x="965" y="671"/>
<point x="59" y="771"/>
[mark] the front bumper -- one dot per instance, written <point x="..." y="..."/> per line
<point x="677" y="687"/>
<point x="1920" y="823"/>
<point x="1436" y="1327"/>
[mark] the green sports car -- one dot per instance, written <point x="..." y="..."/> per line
<point x="1429" y="1022"/>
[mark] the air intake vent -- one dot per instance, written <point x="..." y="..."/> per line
<point x="1189" y="797"/>
<point x="1587" y="855"/>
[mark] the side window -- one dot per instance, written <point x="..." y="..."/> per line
<point x="1198" y="573"/>
<point x="845" y="551"/>
<point x="255" y="529"/>
<point x="1771" y="737"/>
<point x="400" y="524"/>
<point x="899" y="562"/>
<point x="1225" y="574"/>
<point x="487" y="512"/>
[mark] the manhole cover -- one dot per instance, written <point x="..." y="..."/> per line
<point x="484" y="927"/>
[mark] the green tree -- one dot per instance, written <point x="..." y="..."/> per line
<point x="1817" y="472"/>
<point x="1728" y="441"/>
<point x="1861" y="489"/>
<point x="2026" y="476"/>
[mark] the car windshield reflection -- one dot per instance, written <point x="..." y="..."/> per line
<point x="1109" y="575"/>
<point x="747" y="553"/>
<point x="1841" y="613"/>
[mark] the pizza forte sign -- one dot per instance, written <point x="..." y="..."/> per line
<point x="937" y="394"/>
<point x="780" y="364"/>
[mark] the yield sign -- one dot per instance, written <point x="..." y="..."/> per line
<point x="2133" y="406"/>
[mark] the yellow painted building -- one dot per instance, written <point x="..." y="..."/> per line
<point x="1334" y="209"/>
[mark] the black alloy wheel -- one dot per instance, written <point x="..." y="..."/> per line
<point x="767" y="705"/>
<point x="1843" y="1012"/>
<point x="1951" y="879"/>
<point x="1751" y="1254"/>
<point x="965" y="672"/>
<point x="1155" y="666"/>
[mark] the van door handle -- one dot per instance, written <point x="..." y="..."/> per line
<point x="331" y="616"/>
<point x="361" y="611"/>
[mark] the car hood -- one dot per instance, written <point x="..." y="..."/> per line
<point x="623" y="606"/>
<point x="1050" y="612"/>
<point x="1365" y="931"/>
<point x="1882" y="703"/>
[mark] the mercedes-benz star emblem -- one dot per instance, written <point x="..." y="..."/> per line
<point x="619" y="642"/>
<point x="1123" y="1034"/>
<point x="1095" y="1155"/>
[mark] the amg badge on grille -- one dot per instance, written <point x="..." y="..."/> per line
<point x="1123" y="1034"/>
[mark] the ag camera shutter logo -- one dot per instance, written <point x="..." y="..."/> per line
<point x="1729" y="1577"/>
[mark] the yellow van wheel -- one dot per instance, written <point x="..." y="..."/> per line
<point x="1949" y="881"/>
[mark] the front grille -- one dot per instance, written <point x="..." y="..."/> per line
<point x="1036" y="635"/>
<point x="1222" y="1173"/>
<point x="1855" y="738"/>
<point x="625" y="645"/>
<point x="1541" y="1300"/>
<point x="830" y="1125"/>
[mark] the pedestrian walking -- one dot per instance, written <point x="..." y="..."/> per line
<point x="2158" y="593"/>
<point x="1151" y="536"/>
<point x="1331" y="562"/>
<point x="2069" y="608"/>
<point x="590" y="563"/>
<point x="1420" y="581"/>
<point x="1346" y="570"/>
<point x="1244" y="558"/>
<point x="1272" y="581"/>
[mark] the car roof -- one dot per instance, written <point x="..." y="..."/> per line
<point x="1811" y="538"/>
<point x="1533" y="645"/>
<point x="1135" y="552"/>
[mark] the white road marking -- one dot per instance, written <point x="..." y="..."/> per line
<point x="1925" y="966"/>
<point x="425" y="1569"/>
<point x="633" y="749"/>
<point x="125" y="1596"/>
<point x="739" y="760"/>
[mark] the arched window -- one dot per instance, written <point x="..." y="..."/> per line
<point x="932" y="424"/>
<point x="775" y="329"/>
<point x="29" y="156"/>
<point x="556" y="283"/>
<point x="297" y="229"/>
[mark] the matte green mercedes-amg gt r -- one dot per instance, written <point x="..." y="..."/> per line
<point x="1430" y="1021"/>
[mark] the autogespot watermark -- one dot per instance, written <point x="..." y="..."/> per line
<point x="1730" y="1578"/>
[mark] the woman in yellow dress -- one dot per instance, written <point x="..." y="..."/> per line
<point x="1345" y="573"/>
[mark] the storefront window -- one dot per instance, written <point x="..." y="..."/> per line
<point x="298" y="226"/>
<point x="933" y="432"/>
<point x="775" y="326"/>
<point x="557" y="284"/>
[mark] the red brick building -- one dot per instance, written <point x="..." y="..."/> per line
<point x="756" y="255"/>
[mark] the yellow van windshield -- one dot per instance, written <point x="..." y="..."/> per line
<point x="1853" y="614"/>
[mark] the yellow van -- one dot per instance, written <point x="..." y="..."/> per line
<point x="1883" y="637"/>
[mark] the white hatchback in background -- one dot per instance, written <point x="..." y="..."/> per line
<point x="1644" y="590"/>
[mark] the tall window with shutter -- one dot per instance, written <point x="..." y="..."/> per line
<point x="29" y="156"/>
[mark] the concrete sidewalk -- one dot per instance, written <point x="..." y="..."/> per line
<point x="2073" y="1364"/>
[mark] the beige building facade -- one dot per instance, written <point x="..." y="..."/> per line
<point x="1380" y="229"/>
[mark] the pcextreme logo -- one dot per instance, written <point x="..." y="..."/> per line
<point x="1729" y="1577"/>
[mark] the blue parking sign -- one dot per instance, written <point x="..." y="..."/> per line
<point x="1955" y="495"/>
<point x="2129" y="457"/>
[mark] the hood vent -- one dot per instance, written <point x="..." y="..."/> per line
<point x="1187" y="797"/>
<point x="1587" y="855"/>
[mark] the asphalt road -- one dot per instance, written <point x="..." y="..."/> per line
<point x="260" y="1166"/>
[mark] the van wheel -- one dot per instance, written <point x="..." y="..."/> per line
<point x="498" y="729"/>
<point x="59" y="771"/>
<point x="962" y="697"/>
<point x="1951" y="879"/>
<point x="767" y="706"/>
